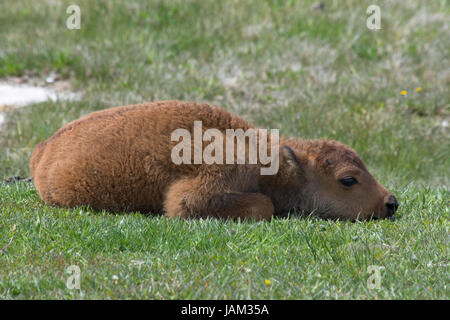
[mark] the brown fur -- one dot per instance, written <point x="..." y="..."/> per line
<point x="119" y="159"/>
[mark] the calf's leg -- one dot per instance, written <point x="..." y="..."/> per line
<point x="190" y="198"/>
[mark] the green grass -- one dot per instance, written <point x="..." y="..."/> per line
<point x="279" y="64"/>
<point x="157" y="258"/>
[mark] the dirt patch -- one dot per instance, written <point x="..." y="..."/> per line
<point x="16" y="92"/>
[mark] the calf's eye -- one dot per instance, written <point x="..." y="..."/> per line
<point x="348" y="181"/>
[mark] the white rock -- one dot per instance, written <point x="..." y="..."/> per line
<point x="22" y="95"/>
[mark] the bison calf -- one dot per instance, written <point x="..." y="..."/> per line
<point x="120" y="159"/>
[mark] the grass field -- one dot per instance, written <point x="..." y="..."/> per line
<point x="281" y="64"/>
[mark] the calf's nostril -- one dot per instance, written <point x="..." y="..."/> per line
<point x="392" y="205"/>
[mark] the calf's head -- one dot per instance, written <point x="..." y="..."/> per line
<point x="334" y="182"/>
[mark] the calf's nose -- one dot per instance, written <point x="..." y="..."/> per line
<point x="391" y="205"/>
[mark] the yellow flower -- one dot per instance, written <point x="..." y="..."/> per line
<point x="403" y="92"/>
<point x="267" y="282"/>
<point x="418" y="89"/>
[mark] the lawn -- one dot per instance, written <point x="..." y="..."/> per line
<point x="280" y="64"/>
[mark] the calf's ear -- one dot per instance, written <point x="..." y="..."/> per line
<point x="292" y="160"/>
